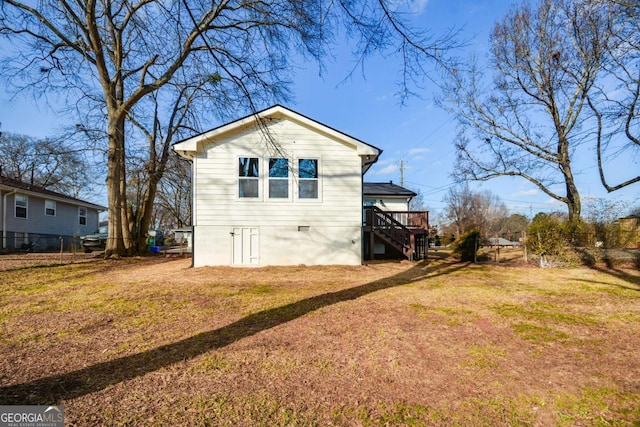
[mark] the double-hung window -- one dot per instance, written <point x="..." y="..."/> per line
<point x="49" y="208"/>
<point x="308" y="178"/>
<point x="82" y="215"/>
<point x="278" y="178"/>
<point x="21" y="202"/>
<point x="248" y="177"/>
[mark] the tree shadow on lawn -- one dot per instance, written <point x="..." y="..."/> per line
<point x="611" y="270"/>
<point x="97" y="377"/>
<point x="633" y="281"/>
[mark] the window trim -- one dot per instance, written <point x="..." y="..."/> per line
<point x="25" y="207"/>
<point x="55" y="207"/>
<point x="80" y="216"/>
<point x="318" y="179"/>
<point x="269" y="178"/>
<point x="239" y="178"/>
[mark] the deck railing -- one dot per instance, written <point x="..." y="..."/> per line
<point x="382" y="221"/>
<point x="405" y="230"/>
<point x="409" y="219"/>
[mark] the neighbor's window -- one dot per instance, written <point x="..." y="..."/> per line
<point x="308" y="178"/>
<point x="21" y="202"/>
<point x="50" y="208"/>
<point x="278" y="178"/>
<point x="82" y="215"/>
<point x="248" y="177"/>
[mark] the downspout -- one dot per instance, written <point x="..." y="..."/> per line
<point x="193" y="205"/>
<point x="193" y="211"/>
<point x="4" y="218"/>
<point x="362" y="236"/>
<point x="366" y="164"/>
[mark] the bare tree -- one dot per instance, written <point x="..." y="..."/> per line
<point x="174" y="202"/>
<point x="114" y="54"/>
<point x="615" y="100"/>
<point x="468" y="210"/>
<point x="527" y="124"/>
<point x="48" y="163"/>
<point x="511" y="227"/>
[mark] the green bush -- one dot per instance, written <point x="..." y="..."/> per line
<point x="546" y="235"/>
<point x="467" y="245"/>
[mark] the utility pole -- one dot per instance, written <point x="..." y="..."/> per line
<point x="401" y="173"/>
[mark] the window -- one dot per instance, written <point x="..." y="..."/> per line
<point x="21" y="202"/>
<point x="248" y="177"/>
<point x="278" y="178"/>
<point x="308" y="178"/>
<point x="82" y="216"/>
<point x="50" y="208"/>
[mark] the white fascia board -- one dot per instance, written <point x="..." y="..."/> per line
<point x="189" y="147"/>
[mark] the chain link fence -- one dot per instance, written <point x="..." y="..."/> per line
<point x="13" y="242"/>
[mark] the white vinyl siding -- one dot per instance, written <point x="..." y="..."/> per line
<point x="216" y="181"/>
<point x="293" y="230"/>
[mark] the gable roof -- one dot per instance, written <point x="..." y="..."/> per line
<point x="187" y="147"/>
<point x="386" y="189"/>
<point x="9" y="184"/>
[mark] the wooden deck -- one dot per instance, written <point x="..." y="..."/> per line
<point x="404" y="233"/>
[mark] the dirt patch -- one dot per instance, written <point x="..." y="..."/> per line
<point x="154" y="342"/>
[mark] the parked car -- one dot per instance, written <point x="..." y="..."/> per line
<point x="96" y="241"/>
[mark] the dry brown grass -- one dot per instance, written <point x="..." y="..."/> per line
<point x="154" y="342"/>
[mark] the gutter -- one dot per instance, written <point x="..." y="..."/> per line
<point x="4" y="217"/>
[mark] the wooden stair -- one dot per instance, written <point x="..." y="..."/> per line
<point x="409" y="240"/>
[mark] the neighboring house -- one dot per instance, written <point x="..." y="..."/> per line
<point x="277" y="188"/>
<point x="502" y="242"/>
<point x="34" y="214"/>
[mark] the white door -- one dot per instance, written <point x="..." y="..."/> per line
<point x="245" y="245"/>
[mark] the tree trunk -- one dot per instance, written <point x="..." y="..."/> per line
<point x="146" y="210"/>
<point x="572" y="198"/>
<point x="115" y="244"/>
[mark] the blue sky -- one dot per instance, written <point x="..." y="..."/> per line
<point x="366" y="107"/>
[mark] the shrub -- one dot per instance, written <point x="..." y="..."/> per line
<point x="467" y="245"/>
<point x="546" y="237"/>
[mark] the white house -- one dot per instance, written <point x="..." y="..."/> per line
<point x="277" y="188"/>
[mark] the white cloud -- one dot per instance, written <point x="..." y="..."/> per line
<point x="417" y="6"/>
<point x="414" y="6"/>
<point x="390" y="168"/>
<point x="526" y="193"/>
<point x="554" y="202"/>
<point x="415" y="151"/>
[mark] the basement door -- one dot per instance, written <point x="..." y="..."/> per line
<point x="245" y="245"/>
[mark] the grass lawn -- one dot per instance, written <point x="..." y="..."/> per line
<point x="154" y="342"/>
